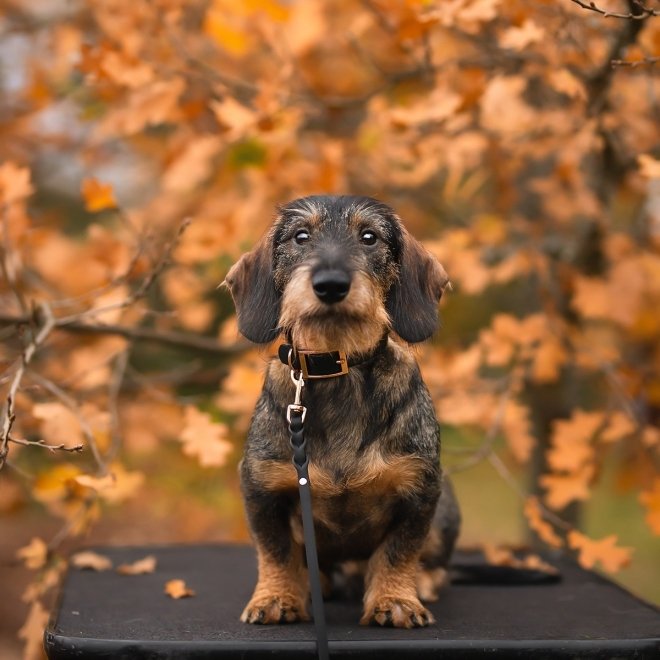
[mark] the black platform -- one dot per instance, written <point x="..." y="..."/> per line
<point x="106" y="615"/>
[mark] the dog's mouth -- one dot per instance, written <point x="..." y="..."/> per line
<point x="355" y="323"/>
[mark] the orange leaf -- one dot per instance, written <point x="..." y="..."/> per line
<point x="178" y="589"/>
<point x="204" y="438"/>
<point x="89" y="559"/>
<point x="34" y="554"/>
<point x="651" y="500"/>
<point x="562" y="489"/>
<point x="14" y="183"/>
<point x="619" y="425"/>
<point x="649" y="166"/>
<point x="544" y="529"/>
<point x="516" y="427"/>
<point x="571" y="440"/>
<point x="141" y="566"/>
<point x="605" y="551"/>
<point x="98" y="196"/>
<point x="518" y="38"/>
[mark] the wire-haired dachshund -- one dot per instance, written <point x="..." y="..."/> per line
<point x="348" y="288"/>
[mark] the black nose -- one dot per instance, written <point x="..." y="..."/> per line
<point x="331" y="286"/>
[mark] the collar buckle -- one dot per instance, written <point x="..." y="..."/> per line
<point x="309" y="372"/>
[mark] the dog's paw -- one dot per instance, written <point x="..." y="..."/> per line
<point x="397" y="613"/>
<point x="274" y="609"/>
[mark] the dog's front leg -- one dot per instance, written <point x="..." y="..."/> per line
<point x="390" y="597"/>
<point x="281" y="592"/>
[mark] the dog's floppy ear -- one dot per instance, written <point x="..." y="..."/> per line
<point x="252" y="286"/>
<point x="412" y="302"/>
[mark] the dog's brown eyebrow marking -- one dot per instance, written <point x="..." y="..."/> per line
<point x="400" y="474"/>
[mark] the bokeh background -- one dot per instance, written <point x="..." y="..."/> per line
<point x="144" y="145"/>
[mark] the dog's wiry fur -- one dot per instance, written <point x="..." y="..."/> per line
<point x="379" y="499"/>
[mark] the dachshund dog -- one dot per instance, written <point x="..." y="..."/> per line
<point x="346" y="285"/>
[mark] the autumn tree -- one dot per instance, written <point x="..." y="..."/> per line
<point x="144" y="145"/>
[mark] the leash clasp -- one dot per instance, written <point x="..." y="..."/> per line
<point x="297" y="406"/>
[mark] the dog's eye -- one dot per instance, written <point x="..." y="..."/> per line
<point x="301" y="236"/>
<point x="368" y="237"/>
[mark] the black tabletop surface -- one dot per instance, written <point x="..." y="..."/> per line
<point x="107" y="615"/>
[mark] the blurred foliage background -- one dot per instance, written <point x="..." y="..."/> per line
<point x="144" y="146"/>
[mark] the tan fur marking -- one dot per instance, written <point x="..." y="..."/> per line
<point x="390" y="597"/>
<point x="374" y="476"/>
<point x="281" y="592"/>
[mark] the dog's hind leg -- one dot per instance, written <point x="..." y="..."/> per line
<point x="439" y="544"/>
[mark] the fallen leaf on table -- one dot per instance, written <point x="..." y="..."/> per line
<point x="178" y="589"/>
<point x="139" y="567"/>
<point x="89" y="559"/>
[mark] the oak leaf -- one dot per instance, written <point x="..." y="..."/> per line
<point x="605" y="551"/>
<point x="571" y="441"/>
<point x="140" y="567"/>
<point x="205" y="439"/>
<point x="619" y="425"/>
<point x="518" y="38"/>
<point x="562" y="489"/>
<point x="177" y="589"/>
<point x="34" y="554"/>
<point x="517" y="430"/>
<point x="651" y="500"/>
<point x="542" y="527"/>
<point x="93" y="560"/>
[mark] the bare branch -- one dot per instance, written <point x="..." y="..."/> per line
<point x="642" y="12"/>
<point x="8" y="414"/>
<point x="45" y="445"/>
<point x="633" y="64"/>
<point x="170" y="338"/>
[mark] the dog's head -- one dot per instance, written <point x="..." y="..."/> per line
<point x="337" y="272"/>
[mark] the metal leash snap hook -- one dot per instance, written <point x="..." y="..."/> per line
<point x="296" y="406"/>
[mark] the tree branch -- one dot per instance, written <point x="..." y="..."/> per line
<point x="170" y="338"/>
<point x="640" y="12"/>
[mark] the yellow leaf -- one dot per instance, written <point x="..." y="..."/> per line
<point x="542" y="527"/>
<point x="232" y="38"/>
<point x="178" y="589"/>
<point x="34" y="554"/>
<point x="605" y="551"/>
<point x="651" y="500"/>
<point x="14" y="183"/>
<point x="56" y="483"/>
<point x="115" y="487"/>
<point x="98" y="196"/>
<point x="140" y="567"/>
<point x="205" y="439"/>
<point x="89" y="559"/>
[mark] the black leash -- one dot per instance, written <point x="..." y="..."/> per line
<point x="295" y="415"/>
